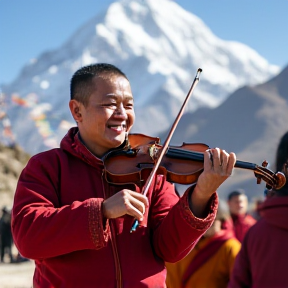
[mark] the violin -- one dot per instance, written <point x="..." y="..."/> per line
<point x="180" y="164"/>
<point x="143" y="157"/>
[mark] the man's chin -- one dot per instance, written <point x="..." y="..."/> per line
<point x="117" y="141"/>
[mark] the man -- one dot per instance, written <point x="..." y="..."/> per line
<point x="238" y="206"/>
<point x="76" y="225"/>
<point x="6" y="235"/>
<point x="211" y="262"/>
<point x="262" y="260"/>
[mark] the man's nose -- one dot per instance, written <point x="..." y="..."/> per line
<point x="121" y="112"/>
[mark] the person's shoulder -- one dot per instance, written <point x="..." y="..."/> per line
<point x="233" y="242"/>
<point x="47" y="154"/>
<point x="255" y="232"/>
<point x="250" y="219"/>
<point x="46" y="157"/>
<point x="230" y="247"/>
<point x="256" y="240"/>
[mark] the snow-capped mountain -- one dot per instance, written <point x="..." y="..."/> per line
<point x="157" y="44"/>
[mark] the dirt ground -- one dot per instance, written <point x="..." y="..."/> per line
<point x="18" y="275"/>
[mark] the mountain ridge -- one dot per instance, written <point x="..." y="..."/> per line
<point x="250" y="123"/>
<point x="157" y="51"/>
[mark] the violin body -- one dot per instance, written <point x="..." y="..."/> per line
<point x="180" y="164"/>
<point x="135" y="164"/>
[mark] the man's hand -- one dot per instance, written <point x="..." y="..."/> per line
<point x="125" y="202"/>
<point x="218" y="166"/>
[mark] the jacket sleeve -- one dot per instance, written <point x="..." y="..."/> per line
<point x="176" y="229"/>
<point x="43" y="228"/>
<point x="241" y="276"/>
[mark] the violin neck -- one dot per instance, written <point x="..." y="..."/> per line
<point x="199" y="156"/>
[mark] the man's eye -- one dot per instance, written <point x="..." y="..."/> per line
<point x="129" y="105"/>
<point x="109" y="104"/>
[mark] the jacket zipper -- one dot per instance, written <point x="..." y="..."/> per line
<point x="113" y="237"/>
<point x="114" y="246"/>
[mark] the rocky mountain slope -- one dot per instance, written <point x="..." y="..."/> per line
<point x="12" y="161"/>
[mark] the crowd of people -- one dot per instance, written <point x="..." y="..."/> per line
<point x="240" y="250"/>
<point x="262" y="259"/>
<point x="75" y="222"/>
<point x="210" y="263"/>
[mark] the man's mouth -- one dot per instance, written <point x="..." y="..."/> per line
<point x="118" y="128"/>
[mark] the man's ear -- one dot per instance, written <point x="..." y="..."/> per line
<point x="75" y="108"/>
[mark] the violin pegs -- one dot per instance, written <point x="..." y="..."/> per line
<point x="264" y="163"/>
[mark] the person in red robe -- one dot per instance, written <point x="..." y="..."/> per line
<point x="262" y="260"/>
<point x="238" y="206"/>
<point x="211" y="262"/>
<point x="75" y="223"/>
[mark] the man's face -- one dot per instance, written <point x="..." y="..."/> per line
<point x="109" y="114"/>
<point x="238" y="205"/>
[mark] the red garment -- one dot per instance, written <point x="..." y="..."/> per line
<point x="214" y="273"/>
<point x="57" y="220"/>
<point x="242" y="224"/>
<point x="262" y="260"/>
<point x="206" y="253"/>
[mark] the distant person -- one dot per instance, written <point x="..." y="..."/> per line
<point x="211" y="262"/>
<point x="76" y="224"/>
<point x="238" y="207"/>
<point x="6" y="235"/>
<point x="263" y="258"/>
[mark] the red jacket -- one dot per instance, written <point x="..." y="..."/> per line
<point x="57" y="220"/>
<point x="262" y="260"/>
<point x="241" y="224"/>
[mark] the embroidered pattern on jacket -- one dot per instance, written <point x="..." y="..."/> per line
<point x="95" y="223"/>
<point x="198" y="223"/>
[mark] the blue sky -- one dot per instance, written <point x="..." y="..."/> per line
<point x="30" y="27"/>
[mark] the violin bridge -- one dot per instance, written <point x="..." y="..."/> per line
<point x="153" y="151"/>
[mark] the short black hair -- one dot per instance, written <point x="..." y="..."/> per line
<point x="282" y="162"/>
<point x="282" y="152"/>
<point x="234" y="193"/>
<point x="80" y="85"/>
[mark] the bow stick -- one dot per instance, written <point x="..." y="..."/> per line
<point x="166" y="144"/>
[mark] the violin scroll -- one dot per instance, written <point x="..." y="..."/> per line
<point x="273" y="180"/>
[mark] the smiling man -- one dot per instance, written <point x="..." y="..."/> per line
<point x="76" y="225"/>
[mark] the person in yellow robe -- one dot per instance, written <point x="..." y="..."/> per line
<point x="210" y="263"/>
